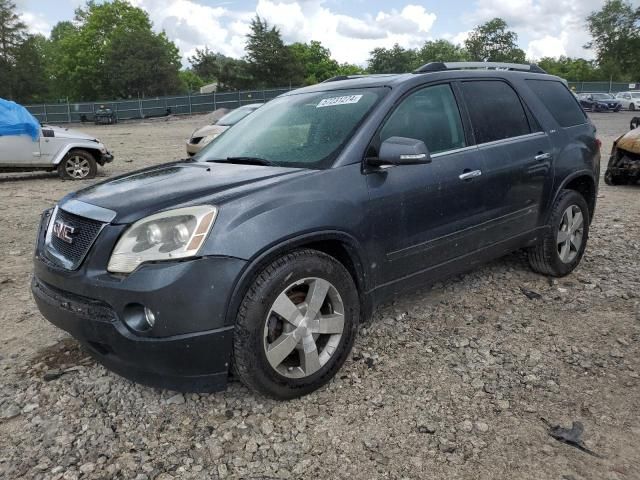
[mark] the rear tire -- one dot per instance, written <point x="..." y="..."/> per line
<point x="609" y="179"/>
<point x="77" y="165"/>
<point x="564" y="242"/>
<point x="296" y="325"/>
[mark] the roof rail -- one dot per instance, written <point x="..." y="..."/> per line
<point x="342" y="77"/>
<point x="442" y="66"/>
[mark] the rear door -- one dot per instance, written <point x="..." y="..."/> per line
<point x="19" y="151"/>
<point x="517" y="158"/>
<point x="423" y="213"/>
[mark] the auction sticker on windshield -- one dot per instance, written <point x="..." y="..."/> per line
<point x="344" y="100"/>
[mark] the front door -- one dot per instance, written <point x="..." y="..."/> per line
<point x="423" y="214"/>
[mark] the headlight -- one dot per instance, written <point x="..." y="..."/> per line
<point x="168" y="235"/>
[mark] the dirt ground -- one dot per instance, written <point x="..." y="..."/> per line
<point x="447" y="382"/>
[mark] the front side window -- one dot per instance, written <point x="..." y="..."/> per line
<point x="431" y="115"/>
<point x="305" y="130"/>
<point x="495" y="109"/>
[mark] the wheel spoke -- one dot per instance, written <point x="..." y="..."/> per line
<point x="281" y="348"/>
<point x="318" y="290"/>
<point x="329" y="324"/>
<point x="577" y="222"/>
<point x="576" y="241"/>
<point x="563" y="236"/>
<point x="565" y="250"/>
<point x="284" y="307"/>
<point x="309" y="358"/>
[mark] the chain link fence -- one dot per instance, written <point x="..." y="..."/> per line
<point x="608" y="87"/>
<point x="76" y="112"/>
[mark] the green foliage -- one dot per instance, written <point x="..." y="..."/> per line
<point x="12" y="34"/>
<point x="229" y="73"/>
<point x="440" y="51"/>
<point x="30" y="77"/>
<point x="314" y="62"/>
<point x="392" y="60"/>
<point x="492" y="41"/>
<point x="615" y="30"/>
<point x="571" y="69"/>
<point x="190" y="81"/>
<point x="271" y="62"/>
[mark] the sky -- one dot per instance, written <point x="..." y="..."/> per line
<point x="351" y="28"/>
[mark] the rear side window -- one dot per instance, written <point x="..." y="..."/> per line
<point x="496" y="111"/>
<point x="559" y="101"/>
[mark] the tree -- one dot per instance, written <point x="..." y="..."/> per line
<point x="190" y="81"/>
<point x="314" y="62"/>
<point x="30" y="73"/>
<point x="270" y="60"/>
<point x="79" y="65"/>
<point x="616" y="39"/>
<point x="440" y="51"/>
<point x="141" y="63"/>
<point x="391" y="60"/>
<point x="229" y="73"/>
<point x="12" y="34"/>
<point x="571" y="69"/>
<point x="492" y="41"/>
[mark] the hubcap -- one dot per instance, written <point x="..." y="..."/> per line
<point x="569" y="238"/>
<point x="304" y="327"/>
<point x="77" y="167"/>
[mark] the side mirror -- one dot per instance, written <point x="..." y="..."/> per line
<point x="401" y="151"/>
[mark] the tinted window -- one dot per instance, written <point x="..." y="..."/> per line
<point x="430" y="115"/>
<point x="559" y="102"/>
<point x="495" y="110"/>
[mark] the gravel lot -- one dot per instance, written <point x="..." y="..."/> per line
<point x="448" y="382"/>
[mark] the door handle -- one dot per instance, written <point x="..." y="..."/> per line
<point x="542" y="156"/>
<point x="470" y="175"/>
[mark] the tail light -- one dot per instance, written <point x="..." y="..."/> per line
<point x="599" y="143"/>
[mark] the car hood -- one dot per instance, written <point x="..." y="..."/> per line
<point x="60" y="132"/>
<point x="144" y="192"/>
<point x="209" y="130"/>
<point x="630" y="141"/>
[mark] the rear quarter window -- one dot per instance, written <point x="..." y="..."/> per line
<point x="559" y="101"/>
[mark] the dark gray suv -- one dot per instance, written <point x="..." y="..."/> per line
<point x="266" y="251"/>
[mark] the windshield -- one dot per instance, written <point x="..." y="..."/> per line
<point x="235" y="116"/>
<point x="602" y="96"/>
<point x="305" y="130"/>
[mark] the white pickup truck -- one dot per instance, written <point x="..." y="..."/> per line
<point x="73" y="154"/>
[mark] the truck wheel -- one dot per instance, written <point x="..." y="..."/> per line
<point x="77" y="165"/>
<point x="563" y="245"/>
<point x="296" y="325"/>
<point x="609" y="179"/>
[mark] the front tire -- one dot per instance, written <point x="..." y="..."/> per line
<point x="77" y="165"/>
<point x="296" y="325"/>
<point x="632" y="107"/>
<point x="610" y="180"/>
<point x="563" y="245"/>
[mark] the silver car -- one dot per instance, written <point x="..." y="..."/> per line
<point x="629" y="100"/>
<point x="203" y="136"/>
<point x="73" y="154"/>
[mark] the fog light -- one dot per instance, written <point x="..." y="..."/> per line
<point x="138" y="317"/>
<point x="149" y="316"/>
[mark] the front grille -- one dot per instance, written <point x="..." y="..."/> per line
<point x="85" y="232"/>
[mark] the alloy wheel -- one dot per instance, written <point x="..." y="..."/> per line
<point x="304" y="327"/>
<point x="570" y="234"/>
<point x="77" y="167"/>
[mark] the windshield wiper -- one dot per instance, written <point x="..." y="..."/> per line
<point x="244" y="161"/>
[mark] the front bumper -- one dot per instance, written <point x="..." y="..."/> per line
<point x="189" y="346"/>
<point x="106" y="158"/>
<point x="193" y="148"/>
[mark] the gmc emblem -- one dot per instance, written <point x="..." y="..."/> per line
<point x="63" y="231"/>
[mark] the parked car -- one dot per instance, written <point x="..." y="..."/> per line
<point x="629" y="100"/>
<point x="27" y="146"/>
<point x="599" y="102"/>
<point x="268" y="249"/>
<point x="624" y="163"/>
<point x="203" y="136"/>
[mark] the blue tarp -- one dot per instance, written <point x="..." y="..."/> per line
<point x="16" y="120"/>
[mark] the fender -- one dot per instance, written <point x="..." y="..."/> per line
<point x="565" y="181"/>
<point x="262" y="258"/>
<point x="92" y="147"/>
